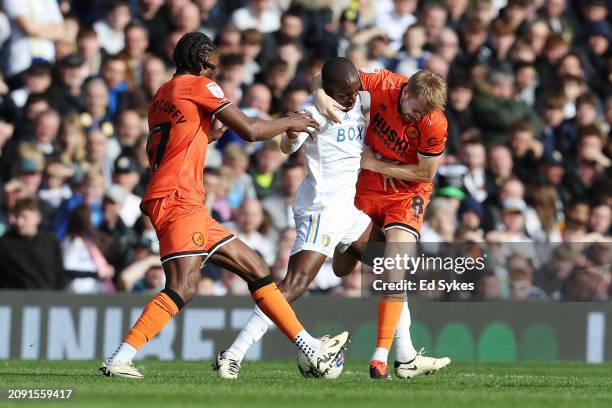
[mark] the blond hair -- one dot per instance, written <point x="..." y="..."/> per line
<point x="429" y="89"/>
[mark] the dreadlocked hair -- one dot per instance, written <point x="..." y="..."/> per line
<point x="191" y="53"/>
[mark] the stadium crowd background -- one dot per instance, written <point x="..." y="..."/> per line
<point x="528" y="156"/>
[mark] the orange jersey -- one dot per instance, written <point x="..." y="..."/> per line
<point x="180" y="114"/>
<point x="391" y="137"/>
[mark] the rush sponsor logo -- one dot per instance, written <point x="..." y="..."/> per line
<point x="398" y="142"/>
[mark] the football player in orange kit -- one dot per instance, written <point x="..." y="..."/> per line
<point x="180" y="114"/>
<point x="406" y="138"/>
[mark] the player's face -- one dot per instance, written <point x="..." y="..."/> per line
<point x="410" y="108"/>
<point x="345" y="93"/>
<point x="213" y="59"/>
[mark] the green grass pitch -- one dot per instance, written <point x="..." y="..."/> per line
<point x="278" y="384"/>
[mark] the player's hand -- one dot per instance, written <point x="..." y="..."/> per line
<point x="327" y="106"/>
<point x="217" y="129"/>
<point x="303" y="122"/>
<point x="393" y="183"/>
<point x="368" y="159"/>
<point x="291" y="135"/>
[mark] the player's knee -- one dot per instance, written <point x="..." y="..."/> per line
<point x="187" y="288"/>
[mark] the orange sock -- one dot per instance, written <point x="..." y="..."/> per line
<point x="154" y="317"/>
<point x="271" y="301"/>
<point x="389" y="311"/>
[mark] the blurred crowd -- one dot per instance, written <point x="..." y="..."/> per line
<point x="527" y="161"/>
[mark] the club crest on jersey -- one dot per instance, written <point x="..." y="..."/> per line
<point x="325" y="240"/>
<point x="198" y="238"/>
<point x="215" y="90"/>
<point x="411" y="132"/>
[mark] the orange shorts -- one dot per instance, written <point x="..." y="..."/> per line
<point x="403" y="210"/>
<point x="184" y="227"/>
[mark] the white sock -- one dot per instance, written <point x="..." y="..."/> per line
<point x="403" y="343"/>
<point x="124" y="354"/>
<point x="255" y="328"/>
<point x="380" y="354"/>
<point x="308" y="344"/>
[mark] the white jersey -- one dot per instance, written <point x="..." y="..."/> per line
<point x="333" y="158"/>
<point x="324" y="209"/>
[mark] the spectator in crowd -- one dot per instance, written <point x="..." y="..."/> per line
<point x="474" y="156"/>
<point x="470" y="216"/>
<point x="526" y="149"/>
<point x="412" y="56"/>
<point x="249" y="221"/>
<point x="395" y="22"/>
<point x="135" y="51"/>
<point x="98" y="156"/>
<point x="85" y="264"/>
<point x="520" y="274"/>
<point x="90" y="47"/>
<point x="31" y="256"/>
<point x="262" y="15"/>
<point x="56" y="188"/>
<point x="65" y="92"/>
<point x="37" y="80"/>
<point x="111" y="29"/>
<point x="496" y="110"/>
<point x="96" y="106"/>
<point x="280" y="203"/>
<point x="237" y="162"/>
<point x="130" y="130"/>
<point x="114" y="230"/>
<point x="154" y="74"/>
<point x="250" y="47"/>
<point x="500" y="167"/>
<point x="268" y="161"/>
<point x="143" y="276"/>
<point x="441" y="223"/>
<point x="90" y="193"/>
<point x="46" y="129"/>
<point x="487" y="287"/>
<point x="433" y="17"/>
<point x="552" y="275"/>
<point x="512" y="225"/>
<point x="38" y="22"/>
<point x="601" y="219"/>
<point x="127" y="177"/>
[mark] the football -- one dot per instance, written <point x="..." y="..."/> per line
<point x="308" y="372"/>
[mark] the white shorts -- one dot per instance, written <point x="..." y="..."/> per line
<point x="322" y="232"/>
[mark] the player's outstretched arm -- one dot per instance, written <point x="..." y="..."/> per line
<point x="422" y="172"/>
<point x="253" y="130"/>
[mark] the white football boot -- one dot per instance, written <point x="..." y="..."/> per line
<point x="126" y="370"/>
<point x="420" y="365"/>
<point x="330" y="348"/>
<point x="226" y="368"/>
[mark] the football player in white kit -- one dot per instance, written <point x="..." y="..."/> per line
<point x="324" y="209"/>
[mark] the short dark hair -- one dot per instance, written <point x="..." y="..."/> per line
<point x="338" y="70"/>
<point x="291" y="164"/>
<point x="192" y="51"/>
<point x="136" y="24"/>
<point x="231" y="60"/>
<point x="26" y="204"/>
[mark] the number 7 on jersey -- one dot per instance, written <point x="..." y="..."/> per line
<point x="156" y="146"/>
